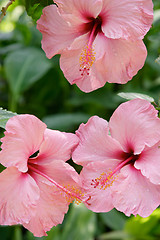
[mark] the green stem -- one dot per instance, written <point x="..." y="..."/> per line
<point x="13" y="102"/>
<point x="17" y="235"/>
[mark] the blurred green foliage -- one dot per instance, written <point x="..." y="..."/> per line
<point x="30" y="83"/>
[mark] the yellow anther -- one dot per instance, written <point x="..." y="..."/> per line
<point x="104" y="181"/>
<point x="86" y="60"/>
<point x="75" y="196"/>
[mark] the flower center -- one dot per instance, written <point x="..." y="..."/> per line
<point x="106" y="179"/>
<point x="87" y="56"/>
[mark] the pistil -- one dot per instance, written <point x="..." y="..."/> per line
<point x="87" y="56"/>
<point x="75" y="195"/>
<point x="106" y="180"/>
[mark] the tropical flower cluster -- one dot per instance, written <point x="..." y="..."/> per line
<point x="99" y="41"/>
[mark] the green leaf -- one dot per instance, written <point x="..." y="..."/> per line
<point x="115" y="235"/>
<point x="114" y="219"/>
<point x="144" y="228"/>
<point x="5" y="116"/>
<point x="34" y="7"/>
<point x="54" y="233"/>
<point x="34" y="11"/>
<point x="80" y="224"/>
<point x="65" y="121"/>
<point x="158" y="60"/>
<point x="130" y="96"/>
<point x="24" y="67"/>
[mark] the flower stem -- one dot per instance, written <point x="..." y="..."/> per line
<point x="4" y="9"/>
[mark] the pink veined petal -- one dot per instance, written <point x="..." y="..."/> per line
<point x="23" y="137"/>
<point x="61" y="172"/>
<point x="19" y="194"/>
<point x="132" y="193"/>
<point x="70" y="59"/>
<point x="57" y="33"/>
<point x="126" y="18"/>
<point x="56" y="146"/>
<point x="149" y="163"/>
<point x="70" y="64"/>
<point x="100" y="199"/>
<point x="83" y="9"/>
<point x="95" y="144"/>
<point x="89" y="8"/>
<point x="65" y="6"/>
<point x="128" y="58"/>
<point x="53" y="203"/>
<point x="135" y="125"/>
<point x="51" y="208"/>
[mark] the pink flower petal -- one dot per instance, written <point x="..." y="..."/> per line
<point x="95" y="143"/>
<point x="149" y="163"/>
<point x="18" y="197"/>
<point x="135" y="125"/>
<point x="70" y="59"/>
<point x="23" y="137"/>
<point x="50" y="210"/>
<point x="84" y="9"/>
<point x="56" y="146"/>
<point x="89" y="8"/>
<point x="126" y="18"/>
<point x="100" y="199"/>
<point x="128" y="57"/>
<point x="133" y="193"/>
<point x="70" y="65"/>
<point x="65" y="7"/>
<point x="53" y="203"/>
<point x="57" y="33"/>
<point x="60" y="172"/>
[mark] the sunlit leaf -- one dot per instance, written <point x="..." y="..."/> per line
<point x="156" y="16"/>
<point x="5" y="116"/>
<point x="130" y="96"/>
<point x="144" y="228"/>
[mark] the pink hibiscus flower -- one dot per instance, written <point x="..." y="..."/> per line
<point x="36" y="190"/>
<point x="121" y="159"/>
<point x="99" y="40"/>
